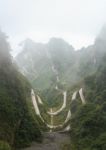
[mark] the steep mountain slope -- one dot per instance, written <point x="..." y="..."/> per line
<point x="56" y="67"/>
<point x="18" y="124"/>
<point x="57" y="63"/>
<point x="88" y="122"/>
<point x="45" y="64"/>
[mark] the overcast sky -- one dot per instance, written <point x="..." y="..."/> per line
<point x="76" y="21"/>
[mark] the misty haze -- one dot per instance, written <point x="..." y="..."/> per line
<point x="52" y="75"/>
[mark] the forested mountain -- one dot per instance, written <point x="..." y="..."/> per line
<point x="18" y="124"/>
<point x="58" y="75"/>
<point x="44" y="64"/>
<point x="53" y="75"/>
<point x="57" y="62"/>
<point x="55" y="68"/>
<point x="88" y="122"/>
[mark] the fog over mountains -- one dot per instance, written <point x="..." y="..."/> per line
<point x="61" y="90"/>
<point x="52" y="75"/>
<point x="57" y="62"/>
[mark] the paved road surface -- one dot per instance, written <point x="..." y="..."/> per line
<point x="52" y="141"/>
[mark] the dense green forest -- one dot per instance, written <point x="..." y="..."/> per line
<point x="18" y="124"/>
<point x="58" y="67"/>
<point x="88" y="123"/>
<point x="54" y="79"/>
<point x="52" y="74"/>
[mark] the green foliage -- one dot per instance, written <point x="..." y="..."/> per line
<point x="27" y="132"/>
<point x="17" y="124"/>
<point x="14" y="113"/>
<point x="4" y="146"/>
<point x="52" y="97"/>
<point x="88" y="124"/>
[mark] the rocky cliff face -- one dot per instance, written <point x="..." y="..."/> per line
<point x="57" y="62"/>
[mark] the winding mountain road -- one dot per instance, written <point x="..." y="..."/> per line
<point x="82" y="96"/>
<point x="51" y="113"/>
<point x="74" y="95"/>
<point x="34" y="101"/>
<point x="39" y="100"/>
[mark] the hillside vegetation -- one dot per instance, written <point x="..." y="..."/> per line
<point x="56" y="71"/>
<point x="88" y="123"/>
<point x="60" y="66"/>
<point x="18" y="124"/>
